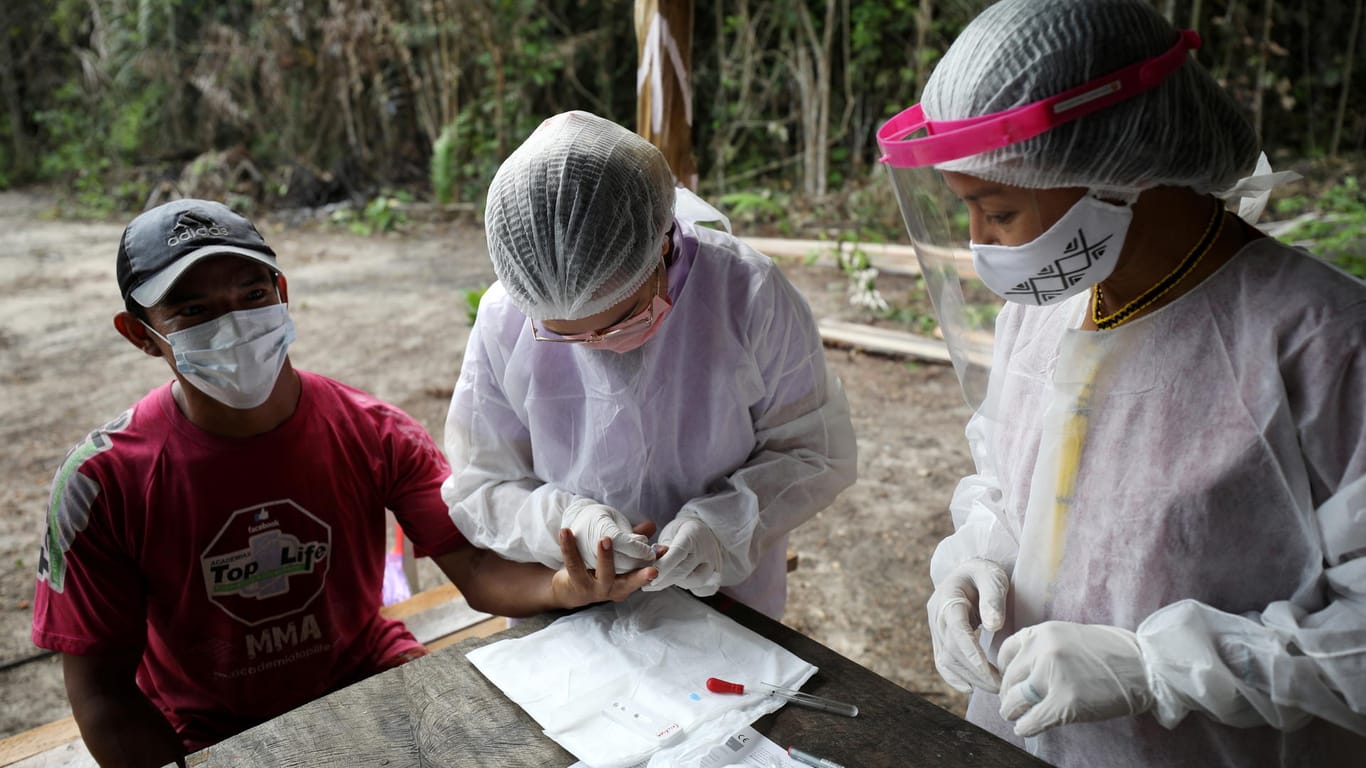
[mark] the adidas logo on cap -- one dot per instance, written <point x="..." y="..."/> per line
<point x="191" y="226"/>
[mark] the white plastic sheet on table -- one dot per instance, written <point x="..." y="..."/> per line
<point x="653" y="652"/>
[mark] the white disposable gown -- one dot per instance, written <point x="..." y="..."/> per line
<point x="1197" y="475"/>
<point x="728" y="412"/>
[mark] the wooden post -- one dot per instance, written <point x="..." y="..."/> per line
<point x="663" y="83"/>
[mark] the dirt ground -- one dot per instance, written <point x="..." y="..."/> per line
<point x="388" y="314"/>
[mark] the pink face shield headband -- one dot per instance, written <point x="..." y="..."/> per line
<point x="947" y="140"/>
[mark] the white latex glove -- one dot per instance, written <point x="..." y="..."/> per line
<point x="971" y="597"/>
<point x="1059" y="672"/>
<point x="693" y="560"/>
<point x="590" y="521"/>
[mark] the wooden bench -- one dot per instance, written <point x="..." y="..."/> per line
<point x="51" y="744"/>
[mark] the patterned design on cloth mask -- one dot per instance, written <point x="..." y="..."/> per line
<point x="1078" y="256"/>
<point x="1076" y="252"/>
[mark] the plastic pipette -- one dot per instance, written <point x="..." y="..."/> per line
<point x="717" y="685"/>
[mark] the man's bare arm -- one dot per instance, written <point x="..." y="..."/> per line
<point x="119" y="725"/>
<point x="505" y="588"/>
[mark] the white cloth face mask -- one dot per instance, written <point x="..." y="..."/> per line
<point x="236" y="357"/>
<point x="1077" y="252"/>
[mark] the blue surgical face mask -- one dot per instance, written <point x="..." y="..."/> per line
<point x="1077" y="252"/>
<point x="234" y="358"/>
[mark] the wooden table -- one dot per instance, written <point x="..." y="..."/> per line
<point x="440" y="711"/>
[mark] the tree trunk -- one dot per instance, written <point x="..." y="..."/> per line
<point x="723" y="70"/>
<point x="744" y="92"/>
<point x="1259" y="87"/>
<point x="806" y="117"/>
<point x="812" y="70"/>
<point x="1226" y="66"/>
<point x="1195" y="15"/>
<point x="663" y="86"/>
<point x="923" y="20"/>
<point x="23" y="159"/>
<point x="1311" y="113"/>
<point x="1346" y="81"/>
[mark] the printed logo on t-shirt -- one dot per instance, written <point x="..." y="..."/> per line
<point x="268" y="561"/>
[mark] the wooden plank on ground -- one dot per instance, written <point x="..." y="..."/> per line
<point x="883" y="341"/>
<point x="482" y="629"/>
<point x="72" y="754"/>
<point x="444" y="620"/>
<point x="428" y="598"/>
<point x="439" y="616"/>
<point x="890" y="258"/>
<point x="34" y="741"/>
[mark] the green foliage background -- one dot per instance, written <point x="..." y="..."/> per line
<point x="345" y="99"/>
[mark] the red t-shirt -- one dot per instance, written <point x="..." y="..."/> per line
<point x="247" y="571"/>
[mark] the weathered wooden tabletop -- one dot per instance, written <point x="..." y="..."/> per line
<point x="440" y="711"/>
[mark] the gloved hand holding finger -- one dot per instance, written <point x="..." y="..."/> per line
<point x="575" y="585"/>
<point x="591" y="522"/>
<point x="1061" y="672"/>
<point x="691" y="558"/>
<point x="971" y="597"/>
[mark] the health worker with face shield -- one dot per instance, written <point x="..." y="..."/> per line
<point x="631" y="371"/>
<point x="1159" y="559"/>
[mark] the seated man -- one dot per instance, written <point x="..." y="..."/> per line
<point x="214" y="556"/>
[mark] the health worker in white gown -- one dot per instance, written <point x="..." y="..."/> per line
<point x="631" y="371"/>
<point x="1159" y="560"/>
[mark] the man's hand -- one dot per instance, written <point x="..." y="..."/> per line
<point x="575" y="585"/>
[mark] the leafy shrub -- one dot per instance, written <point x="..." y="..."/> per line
<point x="384" y="213"/>
<point x="1339" y="235"/>
<point x="472" y="298"/>
<point x="755" y="206"/>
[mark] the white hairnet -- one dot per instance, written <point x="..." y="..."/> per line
<point x="576" y="217"/>
<point x="1186" y="132"/>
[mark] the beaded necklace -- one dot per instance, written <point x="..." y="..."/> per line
<point x="1160" y="288"/>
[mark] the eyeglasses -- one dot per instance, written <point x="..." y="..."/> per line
<point x="642" y="319"/>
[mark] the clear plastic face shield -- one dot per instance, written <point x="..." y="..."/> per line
<point x="950" y="215"/>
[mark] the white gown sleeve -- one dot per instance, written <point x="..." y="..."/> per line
<point x="1302" y="658"/>
<point x="495" y="498"/>
<point x="978" y="510"/>
<point x="805" y="452"/>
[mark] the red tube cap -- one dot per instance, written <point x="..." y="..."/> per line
<point x="717" y="685"/>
